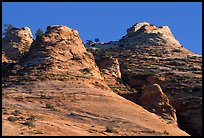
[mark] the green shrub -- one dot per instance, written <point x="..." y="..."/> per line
<point x="32" y="118"/>
<point x="193" y="57"/>
<point x="165" y="52"/>
<point x="85" y="70"/>
<point x="22" y="117"/>
<point x="39" y="32"/>
<point x="153" y="131"/>
<point x="176" y="50"/>
<point x="12" y="118"/>
<point x="187" y="77"/>
<point x="16" y="112"/>
<point x="109" y="129"/>
<point x="7" y="28"/>
<point x="185" y="59"/>
<point x="27" y="46"/>
<point x="30" y="123"/>
<point x="50" y="106"/>
<point x="169" y="122"/>
<point x="189" y="90"/>
<point x="72" y="114"/>
<point x="5" y="112"/>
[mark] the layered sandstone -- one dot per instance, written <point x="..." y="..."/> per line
<point x="16" y="42"/>
<point x="148" y="66"/>
<point x="59" y="88"/>
<point x="148" y="54"/>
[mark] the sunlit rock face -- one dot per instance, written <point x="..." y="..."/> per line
<point x="146" y="33"/>
<point x="16" y="42"/>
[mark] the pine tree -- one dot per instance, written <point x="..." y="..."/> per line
<point x="97" y="40"/>
<point x="39" y="32"/>
<point x="7" y="28"/>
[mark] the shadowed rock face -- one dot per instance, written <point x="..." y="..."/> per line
<point x="154" y="100"/>
<point x="16" y="42"/>
<point x="110" y="69"/>
<point x="148" y="54"/>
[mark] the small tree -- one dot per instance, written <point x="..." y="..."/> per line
<point x="97" y="40"/>
<point x="88" y="42"/>
<point x="39" y="32"/>
<point x="7" y="28"/>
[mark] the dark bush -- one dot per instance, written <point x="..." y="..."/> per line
<point x="109" y="129"/>
<point x="30" y="123"/>
<point x="12" y="118"/>
<point x="176" y="50"/>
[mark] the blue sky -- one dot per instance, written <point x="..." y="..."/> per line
<point x="109" y="20"/>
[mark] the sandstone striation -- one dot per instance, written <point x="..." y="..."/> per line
<point x="136" y="86"/>
<point x="58" y="54"/>
<point x="147" y="55"/>
<point x="56" y="89"/>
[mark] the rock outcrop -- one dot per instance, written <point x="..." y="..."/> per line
<point x="189" y="114"/>
<point x="16" y="42"/>
<point x="56" y="88"/>
<point x="4" y="57"/>
<point x="58" y="54"/>
<point x="146" y="33"/>
<point x="156" y="101"/>
<point x="148" y="54"/>
<point x="109" y="66"/>
<point x="110" y="70"/>
<point x="136" y="27"/>
<point x="57" y="69"/>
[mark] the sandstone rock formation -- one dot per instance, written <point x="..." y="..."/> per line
<point x="146" y="33"/>
<point x="189" y="112"/>
<point x="58" y="54"/>
<point x="66" y="108"/>
<point x="148" y="54"/>
<point x="56" y="89"/>
<point x="16" y="42"/>
<point x="154" y="99"/>
<point x="109" y="67"/>
<point x="58" y="86"/>
<point x="136" y="27"/>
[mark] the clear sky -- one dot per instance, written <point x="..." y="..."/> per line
<point x="109" y="20"/>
